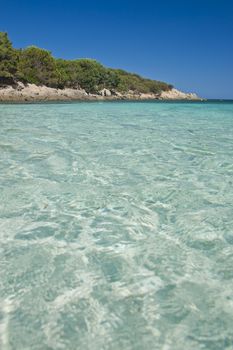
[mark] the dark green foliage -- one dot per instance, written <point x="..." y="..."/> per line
<point x="8" y="60"/>
<point x="134" y="82"/>
<point x="38" y="66"/>
<point x="69" y="73"/>
<point x="87" y="74"/>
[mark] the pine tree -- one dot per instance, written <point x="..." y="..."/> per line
<point x="8" y="60"/>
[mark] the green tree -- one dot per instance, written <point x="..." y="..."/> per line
<point x="8" y="60"/>
<point x="91" y="74"/>
<point x="37" y="66"/>
<point x="87" y="74"/>
<point x="69" y="73"/>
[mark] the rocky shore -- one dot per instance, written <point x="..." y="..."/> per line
<point x="34" y="93"/>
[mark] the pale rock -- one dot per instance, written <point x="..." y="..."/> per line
<point x="175" y="94"/>
<point x="105" y="93"/>
<point x="32" y="92"/>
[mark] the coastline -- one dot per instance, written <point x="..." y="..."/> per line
<point x="22" y="93"/>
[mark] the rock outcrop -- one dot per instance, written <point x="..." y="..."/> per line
<point x="31" y="92"/>
<point x="34" y="93"/>
<point x="105" y="93"/>
<point x="175" y="94"/>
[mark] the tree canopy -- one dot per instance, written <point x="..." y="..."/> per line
<point x="38" y="66"/>
<point x="8" y="60"/>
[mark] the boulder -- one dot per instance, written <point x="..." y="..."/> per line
<point x="105" y="93"/>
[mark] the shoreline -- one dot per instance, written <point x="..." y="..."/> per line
<point x="21" y="102"/>
<point x="31" y="93"/>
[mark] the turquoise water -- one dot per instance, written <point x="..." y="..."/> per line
<point x="116" y="226"/>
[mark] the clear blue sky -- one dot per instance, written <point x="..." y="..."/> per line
<point x="186" y="43"/>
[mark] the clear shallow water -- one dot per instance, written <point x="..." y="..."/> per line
<point x="116" y="226"/>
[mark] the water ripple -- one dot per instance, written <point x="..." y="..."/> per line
<point x="116" y="226"/>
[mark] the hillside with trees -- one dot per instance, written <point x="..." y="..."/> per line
<point x="37" y="66"/>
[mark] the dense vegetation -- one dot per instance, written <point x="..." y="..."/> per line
<point x="38" y="66"/>
<point x="8" y="59"/>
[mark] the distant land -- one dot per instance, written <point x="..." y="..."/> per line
<point x="33" y="74"/>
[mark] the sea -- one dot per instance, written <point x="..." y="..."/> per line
<point x="116" y="226"/>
